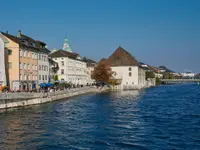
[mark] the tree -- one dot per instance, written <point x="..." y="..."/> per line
<point x="168" y="75"/>
<point x="150" y="74"/>
<point x="158" y="81"/>
<point x="102" y="73"/>
<point x="56" y="78"/>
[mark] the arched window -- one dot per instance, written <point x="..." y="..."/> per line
<point x="129" y="69"/>
<point x="130" y="74"/>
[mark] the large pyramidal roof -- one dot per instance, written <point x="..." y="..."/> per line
<point x="121" y="57"/>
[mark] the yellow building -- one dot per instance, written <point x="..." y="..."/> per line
<point x="22" y="61"/>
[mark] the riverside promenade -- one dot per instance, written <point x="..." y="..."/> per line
<point x="11" y="100"/>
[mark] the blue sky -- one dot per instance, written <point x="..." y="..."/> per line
<point x="157" y="32"/>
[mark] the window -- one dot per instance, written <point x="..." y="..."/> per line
<point x="129" y="69"/>
<point x="45" y="77"/>
<point x="9" y="52"/>
<point x="39" y="77"/>
<point x="42" y="77"/>
<point x="24" y="66"/>
<point x="39" y="67"/>
<point x="35" y="56"/>
<point x="20" y="65"/>
<point x="42" y="67"/>
<point x="24" y="77"/>
<point x="10" y="65"/>
<point x="47" y="68"/>
<point x="62" y="71"/>
<point x="20" y="52"/>
<point x="39" y="56"/>
<point x="33" y="44"/>
<point x="133" y="83"/>
<point x="35" y="67"/>
<point x="28" y="77"/>
<point x="35" y="77"/>
<point x="28" y="66"/>
<point x="62" y="63"/>
<point x="24" y="53"/>
<point x="32" y="77"/>
<point x="130" y="74"/>
<point x="28" y="54"/>
<point x="20" y="77"/>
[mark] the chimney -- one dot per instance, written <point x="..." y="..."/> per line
<point x="19" y="34"/>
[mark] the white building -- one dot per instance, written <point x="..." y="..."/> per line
<point x="156" y="71"/>
<point x="3" y="41"/>
<point x="126" y="69"/>
<point x="188" y="75"/>
<point x="72" y="68"/>
<point x="43" y="63"/>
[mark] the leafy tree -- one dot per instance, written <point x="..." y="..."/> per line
<point x="102" y="73"/>
<point x="150" y="74"/>
<point x="167" y="75"/>
<point x="56" y="78"/>
<point x="158" y="81"/>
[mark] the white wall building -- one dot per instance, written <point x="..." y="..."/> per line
<point x="3" y="41"/>
<point x="72" y="68"/>
<point x="188" y="74"/>
<point x="127" y="69"/>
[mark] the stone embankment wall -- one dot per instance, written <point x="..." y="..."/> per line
<point x="11" y="100"/>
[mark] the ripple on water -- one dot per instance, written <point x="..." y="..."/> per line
<point x="164" y="117"/>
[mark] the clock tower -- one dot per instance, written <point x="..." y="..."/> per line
<point x="66" y="46"/>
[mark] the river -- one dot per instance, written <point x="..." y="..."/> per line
<point x="164" y="117"/>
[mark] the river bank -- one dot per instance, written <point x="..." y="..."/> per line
<point x="12" y="100"/>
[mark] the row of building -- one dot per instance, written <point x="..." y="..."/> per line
<point x="25" y="63"/>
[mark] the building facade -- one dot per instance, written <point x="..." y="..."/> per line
<point x="188" y="75"/>
<point x="72" y="68"/>
<point x="43" y="63"/>
<point x="3" y="41"/>
<point x="23" y="53"/>
<point x="127" y="69"/>
<point x="53" y="70"/>
<point x="91" y="64"/>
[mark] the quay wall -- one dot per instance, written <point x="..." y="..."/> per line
<point x="12" y="100"/>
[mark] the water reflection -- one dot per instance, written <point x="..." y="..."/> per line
<point x="156" y="118"/>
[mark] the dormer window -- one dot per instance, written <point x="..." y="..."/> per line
<point x="33" y="44"/>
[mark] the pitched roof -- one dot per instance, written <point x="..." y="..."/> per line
<point x="62" y="53"/>
<point x="87" y="60"/>
<point x="166" y="69"/>
<point x="21" y="43"/>
<point x="3" y="38"/>
<point x="122" y="58"/>
<point x="154" y="69"/>
<point x="13" y="38"/>
<point x="103" y="60"/>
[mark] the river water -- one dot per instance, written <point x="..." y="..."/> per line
<point x="164" y="117"/>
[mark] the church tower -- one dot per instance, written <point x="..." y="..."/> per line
<point x="66" y="46"/>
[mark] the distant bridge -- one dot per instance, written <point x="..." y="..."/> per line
<point x="179" y="80"/>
